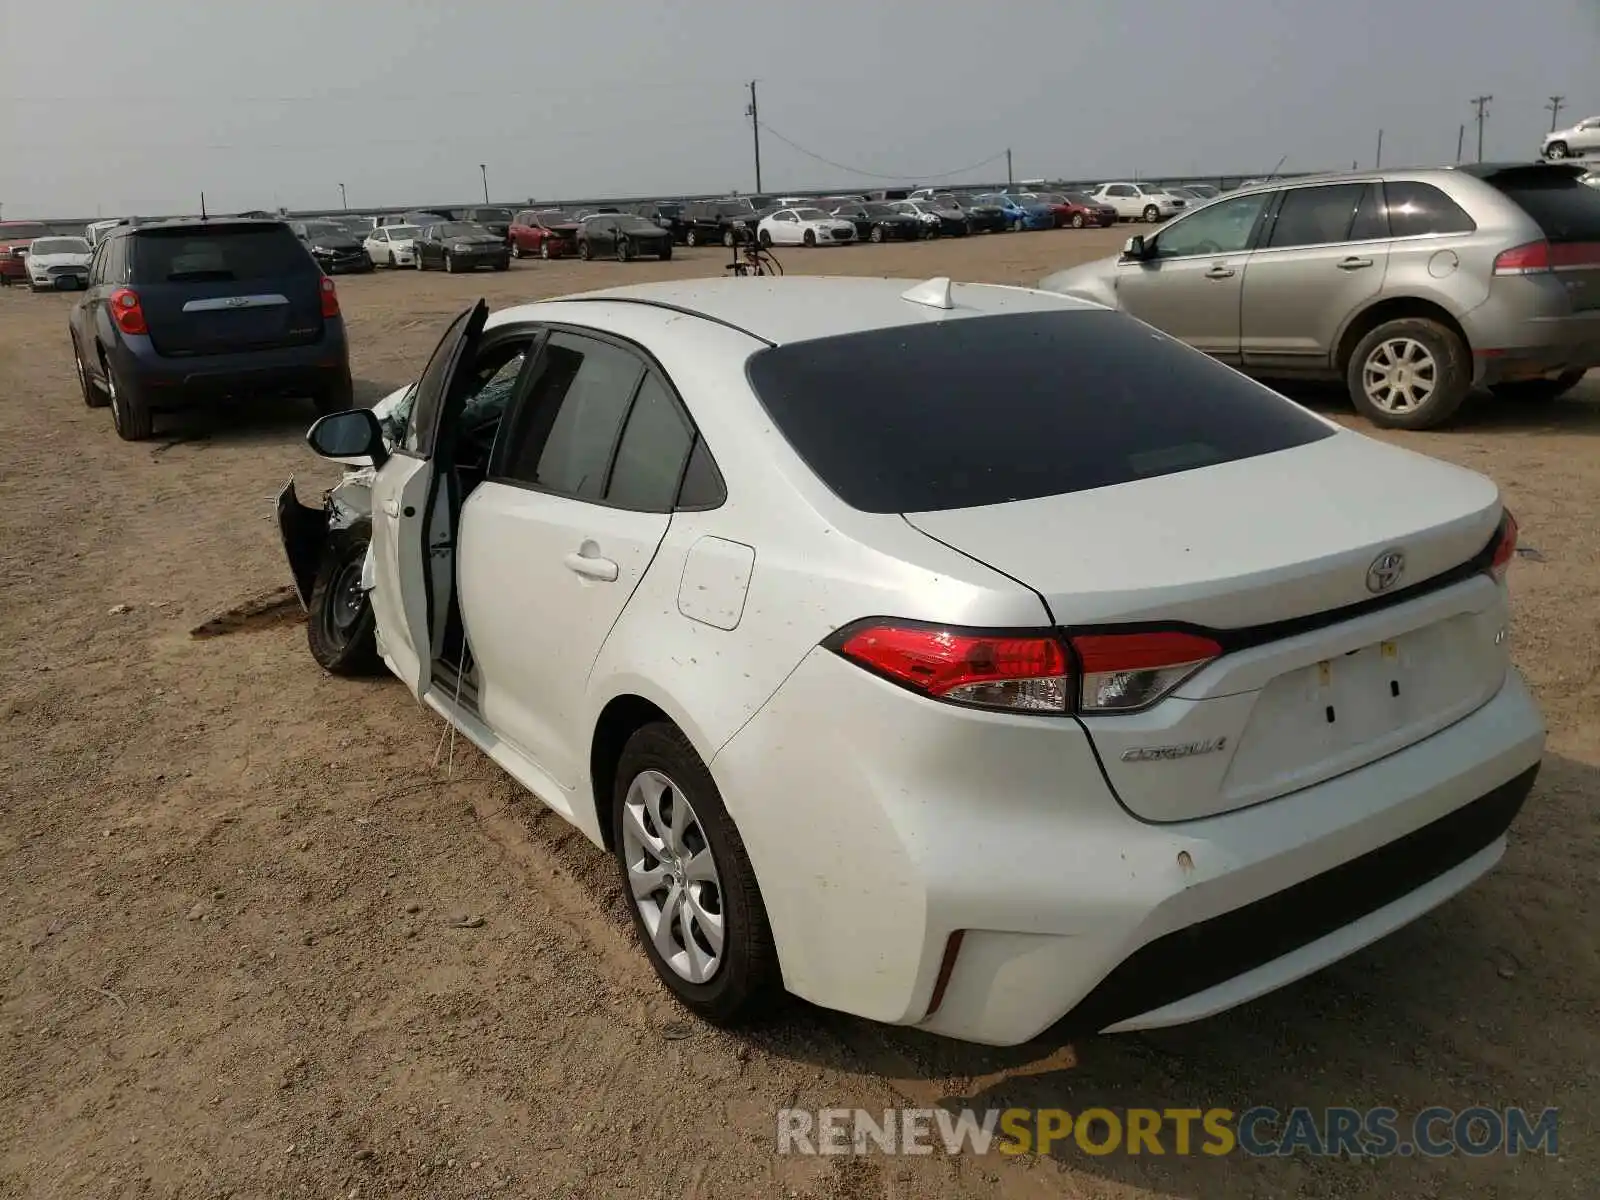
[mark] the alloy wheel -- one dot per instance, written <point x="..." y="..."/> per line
<point x="1400" y="375"/>
<point x="672" y="875"/>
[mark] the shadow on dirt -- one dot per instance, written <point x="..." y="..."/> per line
<point x="1578" y="412"/>
<point x="242" y="422"/>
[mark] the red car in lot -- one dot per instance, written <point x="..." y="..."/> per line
<point x="15" y="237"/>
<point x="543" y="233"/>
<point x="1082" y="210"/>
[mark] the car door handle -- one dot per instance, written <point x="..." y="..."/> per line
<point x="391" y="506"/>
<point x="592" y="567"/>
<point x="1220" y="272"/>
<point x="1353" y="264"/>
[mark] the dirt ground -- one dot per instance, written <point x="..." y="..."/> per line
<point x="237" y="895"/>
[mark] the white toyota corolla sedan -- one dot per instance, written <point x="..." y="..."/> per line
<point x="964" y="657"/>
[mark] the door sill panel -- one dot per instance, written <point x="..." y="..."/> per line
<point x="515" y="764"/>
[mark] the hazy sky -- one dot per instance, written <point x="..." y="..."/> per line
<point x="134" y="106"/>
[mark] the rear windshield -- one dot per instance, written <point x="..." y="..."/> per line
<point x="219" y="254"/>
<point x="989" y="410"/>
<point x="1558" y="201"/>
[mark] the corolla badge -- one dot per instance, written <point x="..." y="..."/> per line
<point x="1385" y="571"/>
<point x="1167" y="753"/>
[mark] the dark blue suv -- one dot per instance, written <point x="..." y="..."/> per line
<point x="185" y="312"/>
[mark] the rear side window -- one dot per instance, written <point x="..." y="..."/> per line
<point x="202" y="254"/>
<point x="651" y="455"/>
<point x="572" y="415"/>
<point x="1417" y="208"/>
<point x="988" y="410"/>
<point x="1316" y="216"/>
<point x="1563" y="206"/>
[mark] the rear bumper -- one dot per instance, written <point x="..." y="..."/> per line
<point x="896" y="823"/>
<point x="288" y="371"/>
<point x="1527" y="328"/>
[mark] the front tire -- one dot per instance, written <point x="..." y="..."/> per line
<point x="516" y="249"/>
<point x="1556" y="150"/>
<point x="877" y="233"/>
<point x="1538" y="391"/>
<point x="1077" y="220"/>
<point x="1152" y="214"/>
<point x="696" y="906"/>
<point x="624" y="250"/>
<point x="544" y="249"/>
<point x="340" y="627"/>
<point x="1409" y="374"/>
<point x="729" y="239"/>
<point x="765" y="239"/>
<point x="583" y="250"/>
<point x="691" y="239"/>
<point x="449" y="263"/>
<point x="811" y="239"/>
<point x="93" y="397"/>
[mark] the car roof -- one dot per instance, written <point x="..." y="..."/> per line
<point x="805" y="307"/>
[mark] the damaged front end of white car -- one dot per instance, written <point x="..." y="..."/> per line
<point x="327" y="546"/>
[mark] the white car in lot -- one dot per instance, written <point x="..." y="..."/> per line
<point x="1581" y="141"/>
<point x="56" y="263"/>
<point x="804" y="227"/>
<point x="1139" y="201"/>
<point x="899" y="673"/>
<point x="393" y="245"/>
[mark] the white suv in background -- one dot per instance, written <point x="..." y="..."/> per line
<point x="1139" y="201"/>
<point x="1582" y="140"/>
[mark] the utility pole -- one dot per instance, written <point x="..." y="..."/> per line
<point x="1009" y="179"/>
<point x="483" y="169"/>
<point x="1557" y="103"/>
<point x="1483" y="111"/>
<point x="343" y="200"/>
<point x="1377" y="159"/>
<point x="754" y="114"/>
<point x="1461" y="140"/>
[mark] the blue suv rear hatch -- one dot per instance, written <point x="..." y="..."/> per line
<point x="219" y="287"/>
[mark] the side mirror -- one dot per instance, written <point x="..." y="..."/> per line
<point x="1133" y="248"/>
<point x="350" y="436"/>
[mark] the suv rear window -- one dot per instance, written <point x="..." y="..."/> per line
<point x="989" y="410"/>
<point x="220" y="253"/>
<point x="1563" y="206"/>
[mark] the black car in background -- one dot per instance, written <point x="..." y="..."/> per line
<point x="333" y="246"/>
<point x="981" y="218"/>
<point x="183" y="312"/>
<point x="624" y="235"/>
<point x="938" y="218"/>
<point x="707" y="222"/>
<point x="461" y="246"/>
<point x="877" y="222"/>
<point x="666" y="213"/>
<point x="495" y="220"/>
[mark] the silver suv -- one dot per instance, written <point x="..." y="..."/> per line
<point x="1411" y="286"/>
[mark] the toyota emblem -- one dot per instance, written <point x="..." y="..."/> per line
<point x="1385" y="571"/>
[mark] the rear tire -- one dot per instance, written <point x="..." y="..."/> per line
<point x="516" y="249"/>
<point x="1409" y="374"/>
<point x="666" y="254"/>
<point x="877" y="233"/>
<point x="340" y="627"/>
<point x="1152" y="214"/>
<point x="583" y="249"/>
<point x="1538" y="391"/>
<point x="624" y="250"/>
<point x="449" y="263"/>
<point x="130" y="414"/>
<point x="765" y="239"/>
<point x="691" y="239"/>
<point x="745" y="981"/>
<point x="336" y="397"/>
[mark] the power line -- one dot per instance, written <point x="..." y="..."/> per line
<point x="838" y="166"/>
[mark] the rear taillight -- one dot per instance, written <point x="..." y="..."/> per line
<point x="1122" y="672"/>
<point x="330" y="298"/>
<point x="1027" y="670"/>
<point x="127" y="312"/>
<point x="1531" y="259"/>
<point x="1505" y="547"/>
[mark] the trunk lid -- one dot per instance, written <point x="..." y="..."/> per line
<point x="1321" y="672"/>
<point x="1567" y="211"/>
<point x="221" y="289"/>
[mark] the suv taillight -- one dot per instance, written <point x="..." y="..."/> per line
<point x="1028" y="671"/>
<point x="330" y="298"/>
<point x="1505" y="547"/>
<point x="127" y="312"/>
<point x="1531" y="259"/>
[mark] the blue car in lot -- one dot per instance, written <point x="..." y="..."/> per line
<point x="188" y="312"/>
<point x="1022" y="214"/>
